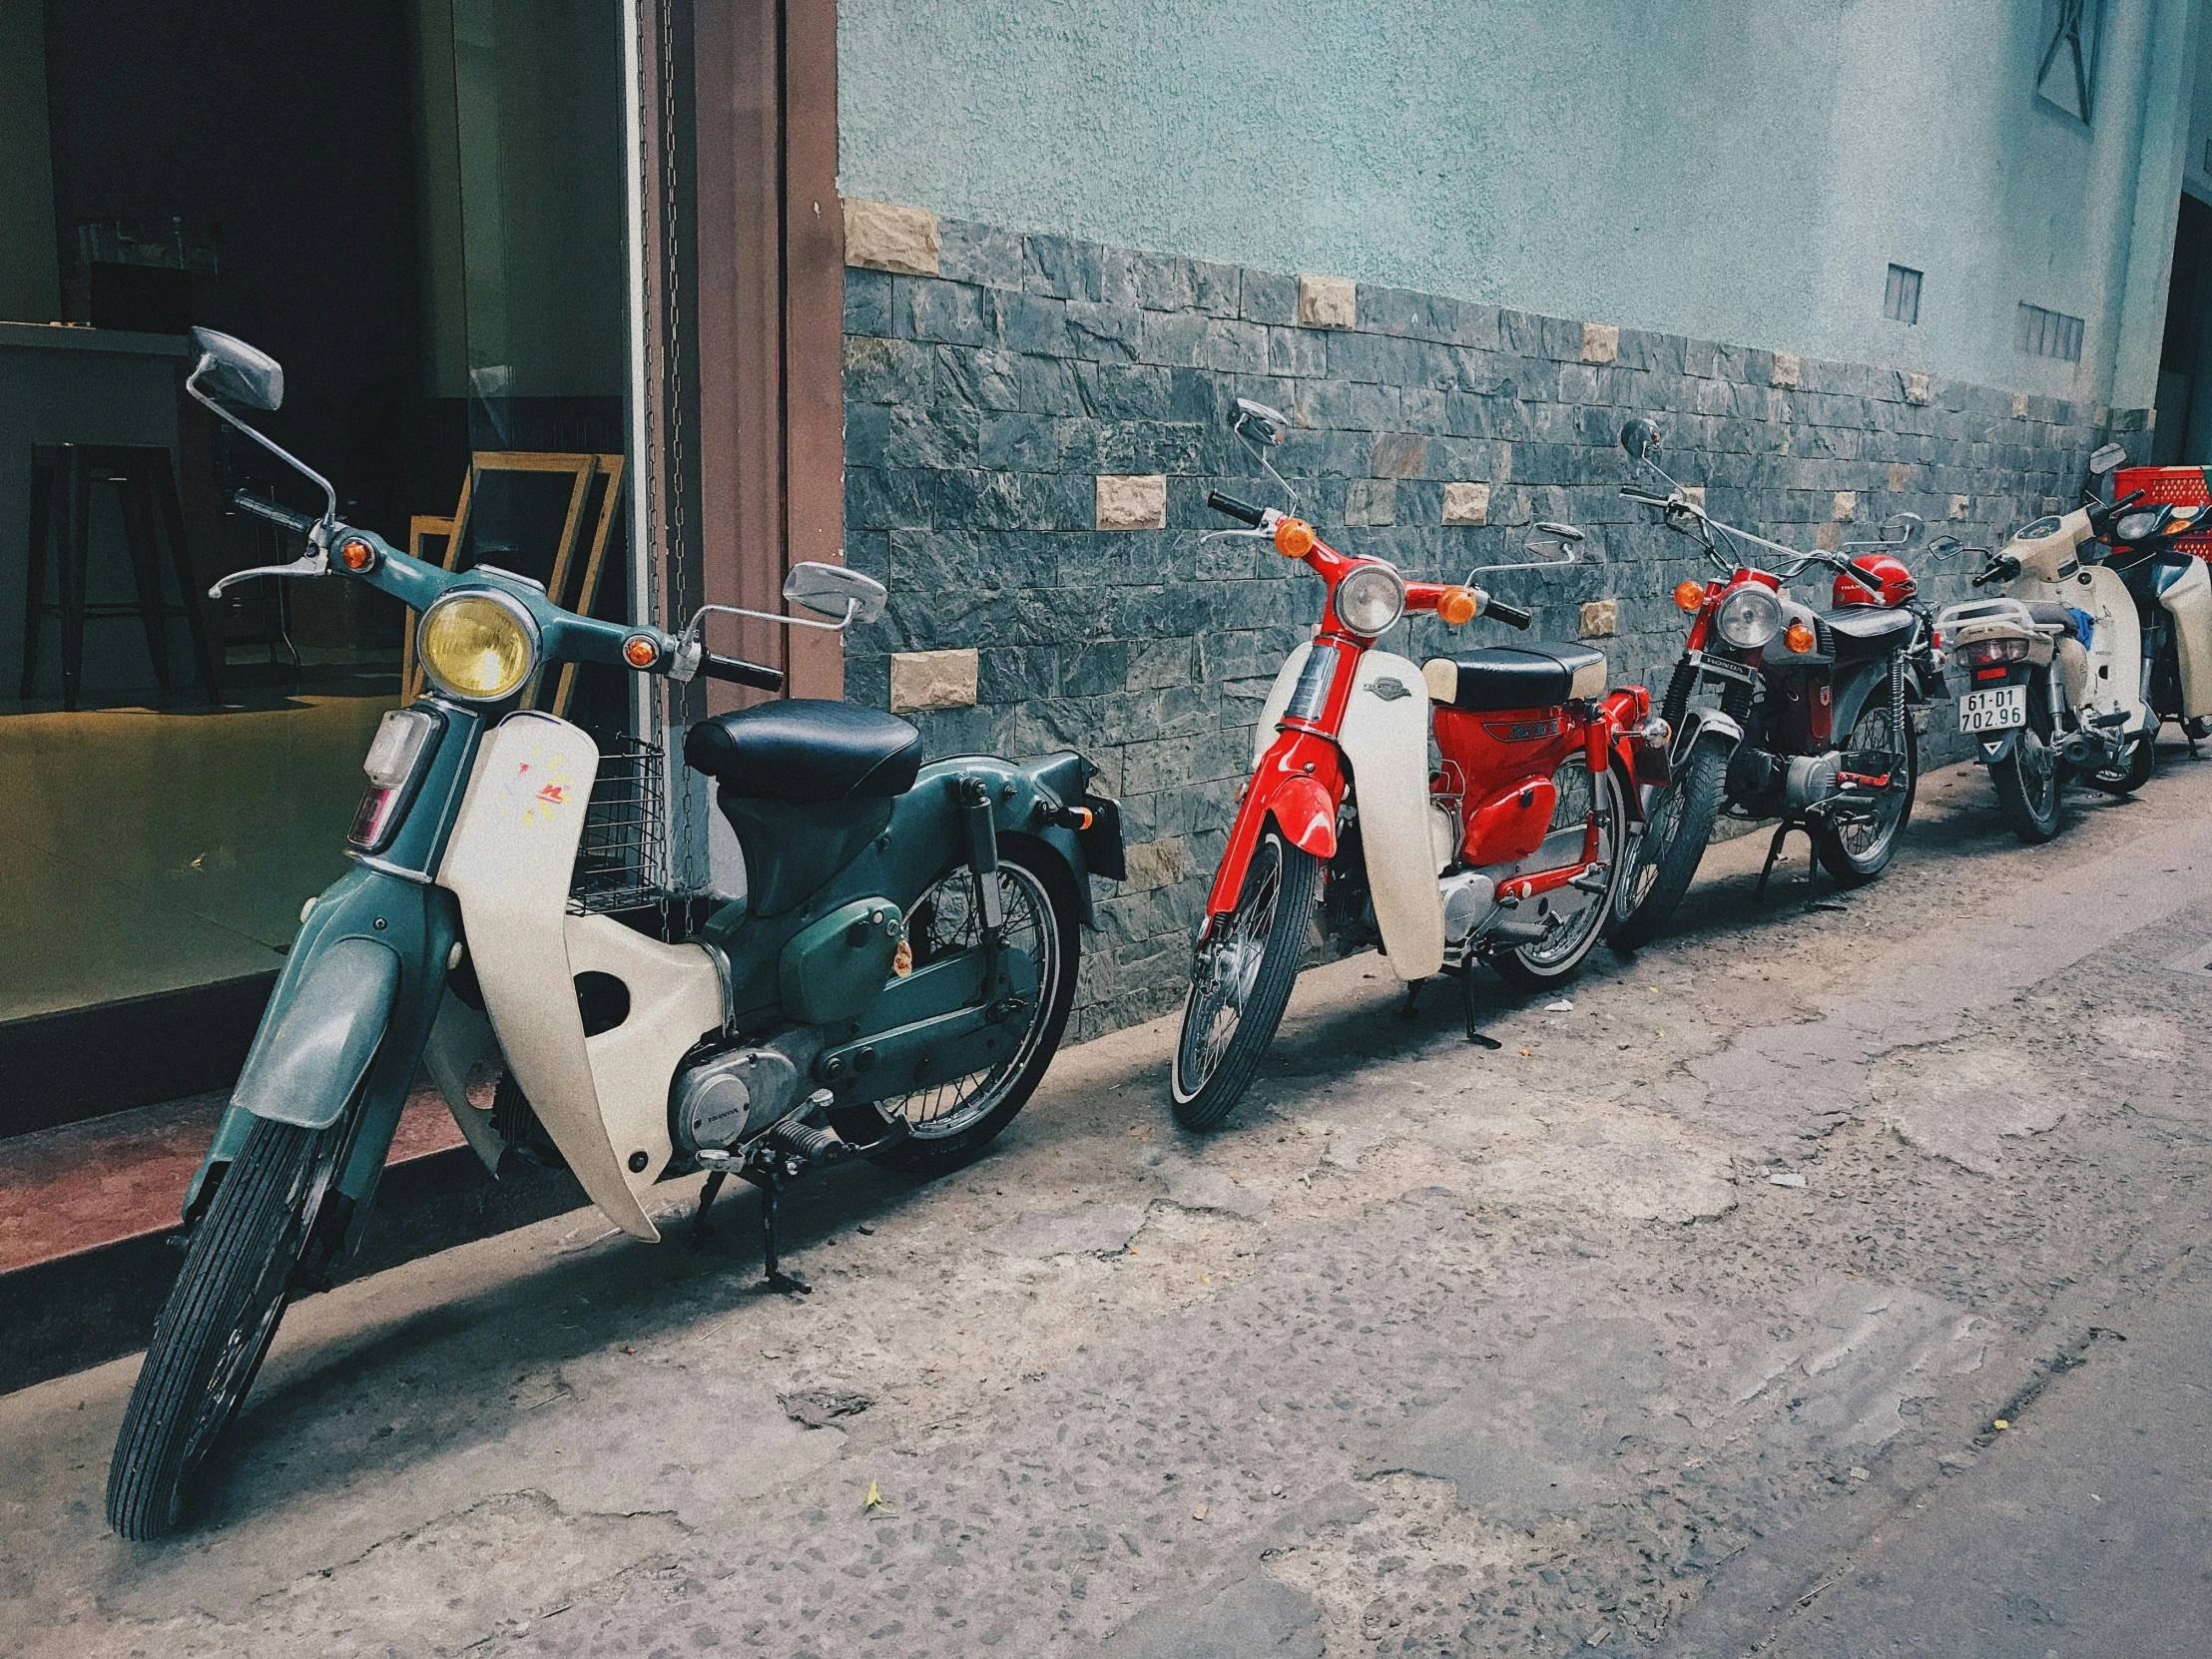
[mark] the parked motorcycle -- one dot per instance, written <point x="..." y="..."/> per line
<point x="1813" y="727"/>
<point x="892" y="985"/>
<point x="2054" y="668"/>
<point x="2172" y="590"/>
<point x="1508" y="855"/>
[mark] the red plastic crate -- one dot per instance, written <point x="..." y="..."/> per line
<point x="2170" y="486"/>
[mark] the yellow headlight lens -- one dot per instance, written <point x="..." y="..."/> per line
<point x="474" y="646"/>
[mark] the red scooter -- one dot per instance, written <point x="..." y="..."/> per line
<point x="1508" y="853"/>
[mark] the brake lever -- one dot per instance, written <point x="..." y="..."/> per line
<point x="1250" y="535"/>
<point x="315" y="563"/>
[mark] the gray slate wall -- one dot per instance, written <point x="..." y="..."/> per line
<point x="982" y="405"/>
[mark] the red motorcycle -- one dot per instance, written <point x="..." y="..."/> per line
<point x="1508" y="853"/>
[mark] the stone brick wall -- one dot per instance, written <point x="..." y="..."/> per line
<point x="1032" y="425"/>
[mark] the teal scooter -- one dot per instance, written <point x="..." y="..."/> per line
<point x="891" y="987"/>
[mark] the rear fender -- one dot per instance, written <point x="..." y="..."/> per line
<point x="1027" y="796"/>
<point x="1996" y="749"/>
<point x="1300" y="783"/>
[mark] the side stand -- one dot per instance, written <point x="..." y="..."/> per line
<point x="773" y="1278"/>
<point x="1468" y="1001"/>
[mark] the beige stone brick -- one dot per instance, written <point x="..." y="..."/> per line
<point x="1371" y="501"/>
<point x="1961" y="508"/>
<point x="1901" y="477"/>
<point x="1844" y="506"/>
<point x="1915" y="388"/>
<point x="1398" y="455"/>
<point x="882" y="237"/>
<point x="1787" y="370"/>
<point x="1132" y="503"/>
<point x="1328" y="302"/>
<point x="1694" y="493"/>
<point x="1601" y="619"/>
<point x="1467" y="503"/>
<point x="1159" y="864"/>
<point x="932" y="680"/>
<point x="1828" y="537"/>
<point x="1601" y="342"/>
<point x="2020" y="405"/>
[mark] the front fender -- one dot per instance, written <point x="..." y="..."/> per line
<point x="1385" y="744"/>
<point x="1700" y="724"/>
<point x="1299" y="783"/>
<point x="310" y="1058"/>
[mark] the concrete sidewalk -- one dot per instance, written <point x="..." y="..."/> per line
<point x="1432" y="1349"/>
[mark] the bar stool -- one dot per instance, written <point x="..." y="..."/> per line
<point x="62" y="477"/>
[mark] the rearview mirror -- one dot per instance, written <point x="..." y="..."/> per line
<point x="1942" y="547"/>
<point x="1260" y="423"/>
<point x="1639" y="437"/>
<point x="230" y="369"/>
<point x="834" y="590"/>
<point x="1565" y="532"/>
<point x="2107" y="458"/>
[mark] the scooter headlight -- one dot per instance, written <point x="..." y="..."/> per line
<point x="478" y="644"/>
<point x="1370" y="599"/>
<point x="1748" y="618"/>
<point x="2135" y="526"/>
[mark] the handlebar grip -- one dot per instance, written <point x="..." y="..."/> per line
<point x="283" y="517"/>
<point x="1236" y="509"/>
<point x="2126" y="501"/>
<point x="1511" y="615"/>
<point x="739" y="672"/>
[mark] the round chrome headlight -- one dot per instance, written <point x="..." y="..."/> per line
<point x="1370" y="599"/>
<point x="478" y="645"/>
<point x="2135" y="526"/>
<point x="1748" y="618"/>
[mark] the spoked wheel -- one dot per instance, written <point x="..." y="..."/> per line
<point x="1672" y="846"/>
<point x="955" y="1120"/>
<point x="1241" y="981"/>
<point x="222" y="1315"/>
<point x="1574" y="915"/>
<point x="2027" y="781"/>
<point x="1858" y="849"/>
<point x="2132" y="772"/>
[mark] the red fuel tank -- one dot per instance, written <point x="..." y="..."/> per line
<point x="1873" y="579"/>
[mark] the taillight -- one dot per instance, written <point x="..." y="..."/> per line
<point x="404" y="740"/>
<point x="1984" y="652"/>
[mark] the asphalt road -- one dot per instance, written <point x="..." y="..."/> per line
<point x="1433" y="1351"/>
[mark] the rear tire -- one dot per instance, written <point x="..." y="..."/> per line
<point x="1559" y="957"/>
<point x="1241" y="983"/>
<point x="2028" y="783"/>
<point x="1853" y="860"/>
<point x="2133" y="773"/>
<point x="1671" y="850"/>
<point x="1042" y="913"/>
<point x="220" y="1317"/>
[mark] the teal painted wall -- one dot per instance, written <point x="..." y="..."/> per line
<point x="1740" y="169"/>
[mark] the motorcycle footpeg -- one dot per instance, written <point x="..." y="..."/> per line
<point x="819" y="1146"/>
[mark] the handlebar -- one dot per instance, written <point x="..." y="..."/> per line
<point x="2002" y="568"/>
<point x="739" y="672"/>
<point x="283" y="517"/>
<point x="1511" y="615"/>
<point x="2103" y="516"/>
<point x="1242" y="511"/>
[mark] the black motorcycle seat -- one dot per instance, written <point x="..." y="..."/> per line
<point x="807" y="748"/>
<point x="2048" y="611"/>
<point x="1535" y="675"/>
<point x="1866" y="630"/>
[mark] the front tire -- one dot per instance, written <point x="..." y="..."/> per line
<point x="220" y="1319"/>
<point x="1682" y="817"/>
<point x="1241" y="983"/>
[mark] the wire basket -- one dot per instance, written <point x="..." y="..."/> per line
<point x="624" y="851"/>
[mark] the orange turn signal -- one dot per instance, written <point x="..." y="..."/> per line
<point x="1456" y="605"/>
<point x="1690" y="595"/>
<point x="1800" y="638"/>
<point x="356" y="554"/>
<point x="640" y="652"/>
<point x="1294" y="537"/>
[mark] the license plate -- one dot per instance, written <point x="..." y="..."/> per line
<point x="1994" y="710"/>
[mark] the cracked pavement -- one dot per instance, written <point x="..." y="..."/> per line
<point x="1678" y="1325"/>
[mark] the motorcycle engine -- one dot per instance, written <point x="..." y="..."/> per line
<point x="1811" y="777"/>
<point x="727" y="1095"/>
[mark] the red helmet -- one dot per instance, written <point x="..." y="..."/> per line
<point x="1873" y="579"/>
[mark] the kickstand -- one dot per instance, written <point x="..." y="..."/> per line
<point x="700" y="1231"/>
<point x="1411" y="1007"/>
<point x="1774" y="852"/>
<point x="1466" y="988"/>
<point x="773" y="1278"/>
